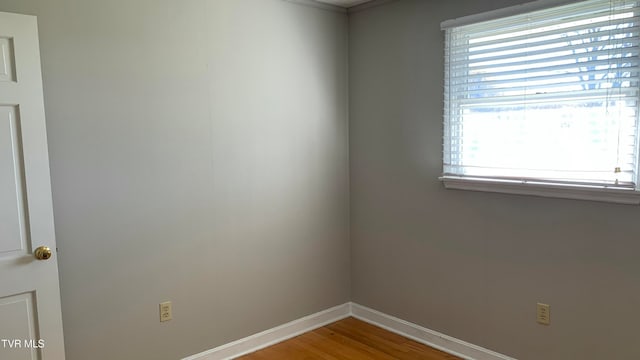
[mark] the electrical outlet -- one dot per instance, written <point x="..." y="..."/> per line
<point x="165" y="311"/>
<point x="544" y="314"/>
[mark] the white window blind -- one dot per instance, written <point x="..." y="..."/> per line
<point x="548" y="96"/>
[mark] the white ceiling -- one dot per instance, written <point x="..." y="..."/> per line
<point x="344" y="3"/>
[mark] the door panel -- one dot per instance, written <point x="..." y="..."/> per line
<point x="13" y="234"/>
<point x="19" y="311"/>
<point x="7" y="70"/>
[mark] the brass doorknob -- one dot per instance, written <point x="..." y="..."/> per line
<point x="42" y="253"/>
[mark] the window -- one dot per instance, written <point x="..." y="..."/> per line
<point x="544" y="101"/>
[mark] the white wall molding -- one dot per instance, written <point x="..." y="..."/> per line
<point x="425" y="336"/>
<point x="367" y="5"/>
<point x="294" y="328"/>
<point x="319" y="5"/>
<point x="274" y="335"/>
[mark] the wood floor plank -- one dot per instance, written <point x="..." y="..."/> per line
<point x="396" y="345"/>
<point x="349" y="339"/>
<point x="350" y="348"/>
<point x="335" y="349"/>
<point x="388" y="346"/>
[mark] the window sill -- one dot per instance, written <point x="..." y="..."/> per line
<point x="602" y="194"/>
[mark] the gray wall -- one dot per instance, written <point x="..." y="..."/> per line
<point x="199" y="155"/>
<point x="471" y="265"/>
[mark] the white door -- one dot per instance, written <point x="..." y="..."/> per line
<point x="30" y="317"/>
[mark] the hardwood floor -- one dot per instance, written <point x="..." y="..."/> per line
<point x="349" y="339"/>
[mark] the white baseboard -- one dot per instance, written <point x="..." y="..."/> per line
<point x="294" y="328"/>
<point x="274" y="335"/>
<point x="426" y="336"/>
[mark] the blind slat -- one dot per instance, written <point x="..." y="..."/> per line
<point x="569" y="97"/>
<point x="578" y="70"/>
<point x="532" y="92"/>
<point x="575" y="34"/>
<point x="538" y="60"/>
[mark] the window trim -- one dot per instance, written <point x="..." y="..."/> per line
<point x="505" y="12"/>
<point x="626" y="196"/>
<point x="604" y="193"/>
